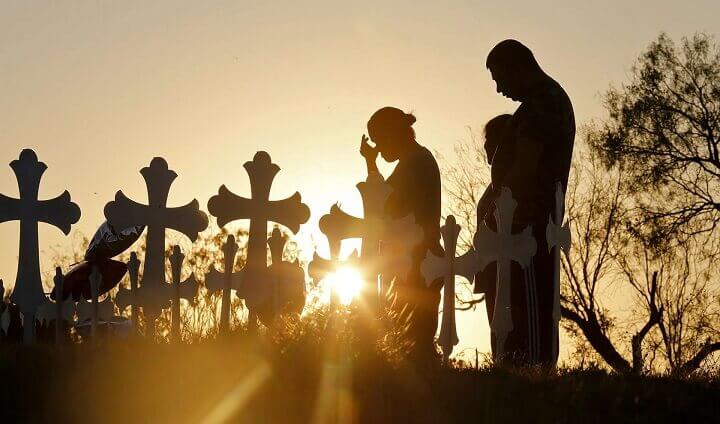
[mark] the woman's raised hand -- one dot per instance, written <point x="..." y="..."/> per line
<point x="366" y="150"/>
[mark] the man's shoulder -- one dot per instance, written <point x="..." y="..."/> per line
<point x="547" y="98"/>
<point x="548" y="109"/>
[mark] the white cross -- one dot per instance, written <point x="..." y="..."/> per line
<point x="125" y="297"/>
<point x="59" y="212"/>
<point x="503" y="247"/>
<point x="60" y="311"/>
<point x="226" y="281"/>
<point x="228" y="207"/>
<point x="447" y="267"/>
<point x="154" y="294"/>
<point x="94" y="309"/>
<point x="181" y="290"/>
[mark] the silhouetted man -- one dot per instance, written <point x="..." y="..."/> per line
<point x="537" y="150"/>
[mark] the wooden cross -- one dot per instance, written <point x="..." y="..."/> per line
<point x="60" y="212"/>
<point x="154" y="294"/>
<point x="60" y="311"/>
<point x="503" y="247"/>
<point x="397" y="237"/>
<point x="228" y="207"/>
<point x="181" y="290"/>
<point x="226" y="281"/>
<point x="557" y="235"/>
<point x="125" y="297"/>
<point x="447" y="267"/>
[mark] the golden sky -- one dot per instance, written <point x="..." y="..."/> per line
<point x="98" y="88"/>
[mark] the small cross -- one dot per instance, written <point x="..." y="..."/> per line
<point x="125" y="297"/>
<point x="226" y="281"/>
<point x="60" y="311"/>
<point x="181" y="290"/>
<point x="287" y="279"/>
<point x="447" y="267"/>
<point x="60" y="212"/>
<point x="94" y="310"/>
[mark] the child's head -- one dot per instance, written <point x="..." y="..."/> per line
<point x="496" y="130"/>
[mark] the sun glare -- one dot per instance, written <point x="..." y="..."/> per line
<point x="346" y="283"/>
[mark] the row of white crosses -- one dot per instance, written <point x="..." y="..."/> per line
<point x="152" y="293"/>
<point x="502" y="247"/>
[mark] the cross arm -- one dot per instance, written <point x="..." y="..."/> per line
<point x="60" y="212"/>
<point x="557" y="235"/>
<point x="320" y="267"/>
<point x="188" y="219"/>
<point x="290" y="212"/>
<point x="228" y="206"/>
<point x="124" y="213"/>
<point x="9" y="208"/>
<point x="341" y="224"/>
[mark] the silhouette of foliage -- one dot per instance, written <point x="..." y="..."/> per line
<point x="664" y="124"/>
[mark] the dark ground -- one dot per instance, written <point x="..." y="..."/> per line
<point x="213" y="381"/>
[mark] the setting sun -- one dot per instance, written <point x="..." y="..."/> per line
<point x="346" y="283"/>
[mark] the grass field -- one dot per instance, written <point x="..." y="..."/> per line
<point x="251" y="380"/>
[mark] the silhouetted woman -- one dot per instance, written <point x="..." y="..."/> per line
<point x="416" y="190"/>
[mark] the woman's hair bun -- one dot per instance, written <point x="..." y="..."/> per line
<point x="410" y="118"/>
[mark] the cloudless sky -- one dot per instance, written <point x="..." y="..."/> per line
<point x="97" y="88"/>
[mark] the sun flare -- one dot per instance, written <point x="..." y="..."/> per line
<point x="346" y="283"/>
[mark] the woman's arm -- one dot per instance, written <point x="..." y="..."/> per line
<point x="370" y="154"/>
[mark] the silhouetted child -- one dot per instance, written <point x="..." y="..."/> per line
<point x="498" y="149"/>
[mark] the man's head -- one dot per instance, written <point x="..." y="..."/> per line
<point x="514" y="69"/>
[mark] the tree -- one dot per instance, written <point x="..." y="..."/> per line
<point x="672" y="317"/>
<point x="665" y="123"/>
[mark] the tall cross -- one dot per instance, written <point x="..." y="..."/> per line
<point x="447" y="267"/>
<point x="226" y="281"/>
<point x="181" y="290"/>
<point x="503" y="247"/>
<point x="60" y="212"/>
<point x="228" y="207"/>
<point x="154" y="294"/>
<point x="558" y="235"/>
<point x="386" y="243"/>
